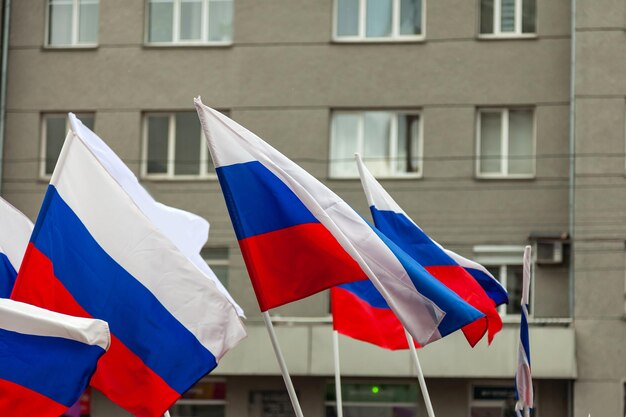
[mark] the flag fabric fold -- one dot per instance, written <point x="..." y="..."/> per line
<point x="186" y="230"/>
<point x="15" y="230"/>
<point x="46" y="358"/>
<point x="94" y="253"/>
<point x="523" y="377"/>
<point x="391" y="220"/>
<point x="297" y="237"/>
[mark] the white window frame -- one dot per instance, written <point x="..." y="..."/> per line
<point x="497" y="32"/>
<point x="395" y="26"/>
<point x="392" y="143"/>
<point x="504" y="143"/>
<point x="204" y="174"/>
<point x="503" y="256"/>
<point x="204" y="30"/>
<point x="75" y="28"/>
<point x="495" y="383"/>
<point x="44" y="140"/>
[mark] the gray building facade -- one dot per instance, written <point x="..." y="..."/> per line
<point x="465" y="110"/>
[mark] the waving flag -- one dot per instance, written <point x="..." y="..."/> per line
<point x="297" y="237"/>
<point x="186" y="230"/>
<point x="390" y="219"/>
<point x="46" y="358"/>
<point x="523" y="378"/>
<point x="15" y="230"/>
<point x="94" y="253"/>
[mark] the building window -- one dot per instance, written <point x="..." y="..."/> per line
<point x="174" y="147"/>
<point x="493" y="400"/>
<point x="379" y="20"/>
<point x="374" y="399"/>
<point x="54" y="128"/>
<point x="205" y="399"/>
<point x="505" y="263"/>
<point x="505" y="143"/>
<point x="217" y="258"/>
<point x="72" y="23"/>
<point x="507" y="18"/>
<point x="190" y="22"/>
<point x="389" y="142"/>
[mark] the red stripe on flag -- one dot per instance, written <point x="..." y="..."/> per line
<point x="121" y="375"/>
<point x="462" y="283"/>
<point x="17" y="400"/>
<point x="357" y="319"/>
<point x="293" y="263"/>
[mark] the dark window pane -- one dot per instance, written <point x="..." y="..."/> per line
<point x="187" y="147"/>
<point x="486" y="16"/>
<point x="410" y="17"/>
<point x="55" y="136"/>
<point x="514" y="276"/>
<point x="158" y="129"/>
<point x="529" y="12"/>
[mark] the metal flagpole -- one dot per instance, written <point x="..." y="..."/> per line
<point x="283" y="366"/>
<point x="337" y="374"/>
<point x="420" y="375"/>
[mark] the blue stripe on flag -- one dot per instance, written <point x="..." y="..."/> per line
<point x="58" y="368"/>
<point x="7" y="276"/>
<point x="458" y="312"/>
<point x="108" y="292"/>
<point x="491" y="287"/>
<point x="366" y="291"/>
<point x="524" y="338"/>
<point x="258" y="202"/>
<point x="410" y="238"/>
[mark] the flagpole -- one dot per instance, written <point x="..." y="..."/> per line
<point x="283" y="366"/>
<point x="338" y="398"/>
<point x="420" y="375"/>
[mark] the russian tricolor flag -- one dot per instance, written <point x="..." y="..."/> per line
<point x="15" y="230"/>
<point x="186" y="230"/>
<point x="390" y="219"/>
<point x="523" y="377"/>
<point x="94" y="253"/>
<point x="46" y="358"/>
<point x="297" y="237"/>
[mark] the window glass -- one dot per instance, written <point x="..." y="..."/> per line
<point x="514" y="278"/>
<point x="486" y="16"/>
<point x="507" y="15"/>
<point x="374" y="400"/>
<point x="378" y="21"/>
<point x="376" y="130"/>
<point x="188" y="144"/>
<point x="158" y="133"/>
<point x="344" y="144"/>
<point x="88" y="21"/>
<point x="490" y="142"/>
<point x="520" y="141"/>
<point x="410" y="17"/>
<point x="61" y="22"/>
<point x="56" y="127"/>
<point x="389" y="143"/>
<point x="161" y="14"/>
<point x="529" y="11"/>
<point x="347" y="17"/>
<point x="493" y="401"/>
<point x="220" y="20"/>
<point x="191" y="20"/>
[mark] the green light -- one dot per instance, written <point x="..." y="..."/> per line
<point x="375" y="389"/>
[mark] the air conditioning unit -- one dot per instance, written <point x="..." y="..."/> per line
<point x="549" y="252"/>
